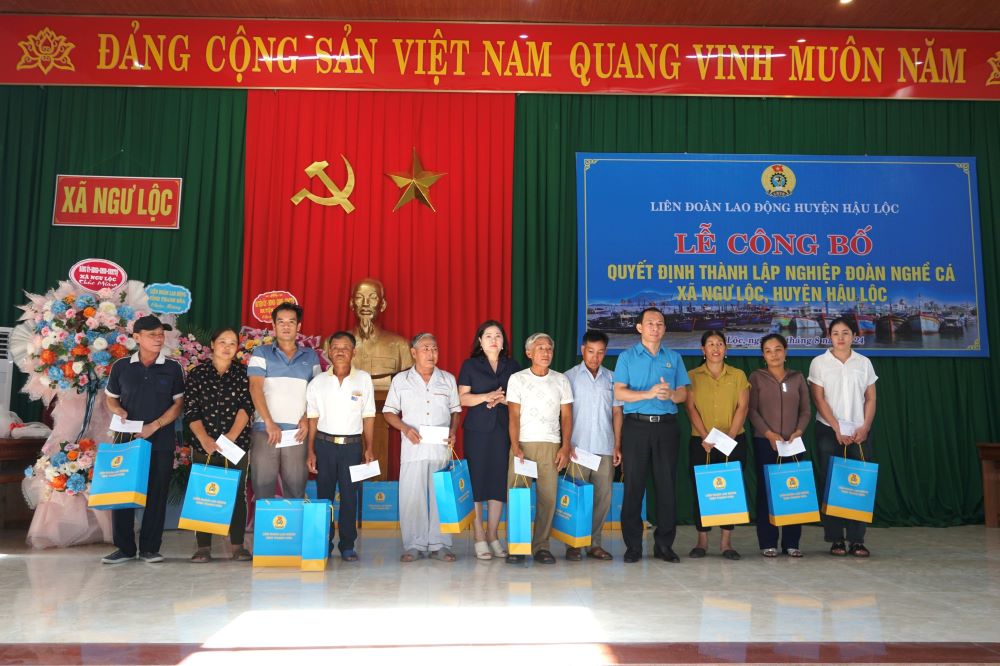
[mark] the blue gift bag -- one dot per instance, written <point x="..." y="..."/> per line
<point x="791" y="494"/>
<point x="209" y="499"/>
<point x="316" y="518"/>
<point x="121" y="475"/>
<point x="574" y="515"/>
<point x="453" y="495"/>
<point x="722" y="498"/>
<point x="503" y="512"/>
<point x="850" y="489"/>
<point x="519" y="521"/>
<point x="613" y="521"/>
<point x="277" y="533"/>
<point x="311" y="493"/>
<point x="380" y="505"/>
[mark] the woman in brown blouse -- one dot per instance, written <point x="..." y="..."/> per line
<point x="217" y="402"/>
<point x="779" y="411"/>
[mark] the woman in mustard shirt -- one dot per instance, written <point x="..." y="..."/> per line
<point x="718" y="397"/>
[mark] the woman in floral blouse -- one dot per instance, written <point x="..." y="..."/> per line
<point x="217" y="402"/>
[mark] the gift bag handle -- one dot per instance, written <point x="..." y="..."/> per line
<point x="861" y="450"/>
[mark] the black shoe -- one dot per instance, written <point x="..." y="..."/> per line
<point x="117" y="557"/>
<point x="515" y="559"/>
<point x="667" y="555"/>
<point x="632" y="556"/>
<point x="152" y="558"/>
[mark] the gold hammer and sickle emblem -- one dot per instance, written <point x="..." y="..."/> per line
<point x="339" y="197"/>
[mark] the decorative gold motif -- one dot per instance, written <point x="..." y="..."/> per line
<point x="964" y="166"/>
<point x="46" y="50"/>
<point x="587" y="163"/>
<point x="417" y="183"/>
<point x="974" y="346"/>
<point x="339" y="197"/>
<point x="994" y="78"/>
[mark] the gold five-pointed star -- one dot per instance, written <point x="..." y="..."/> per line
<point x="417" y="184"/>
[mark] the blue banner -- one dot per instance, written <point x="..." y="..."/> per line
<point x="752" y="244"/>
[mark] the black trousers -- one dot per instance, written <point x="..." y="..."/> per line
<point x="696" y="457"/>
<point x="767" y="534"/>
<point x="238" y="524"/>
<point x="332" y="470"/>
<point x="161" y="465"/>
<point x="834" y="527"/>
<point x="648" y="446"/>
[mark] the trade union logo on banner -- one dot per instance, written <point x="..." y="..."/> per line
<point x="778" y="180"/>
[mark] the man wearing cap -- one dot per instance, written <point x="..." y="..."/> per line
<point x="424" y="395"/>
<point x="147" y="387"/>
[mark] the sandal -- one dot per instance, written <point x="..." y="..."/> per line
<point x="241" y="554"/>
<point x="482" y="551"/>
<point x="769" y="552"/>
<point x="599" y="553"/>
<point x="497" y="549"/>
<point x="350" y="555"/>
<point x="794" y="552"/>
<point x="545" y="557"/>
<point x="731" y="554"/>
<point x="697" y="553"/>
<point x="574" y="554"/>
<point x="410" y="555"/>
<point x="859" y="550"/>
<point x="202" y="555"/>
<point x="443" y="554"/>
<point x="838" y="549"/>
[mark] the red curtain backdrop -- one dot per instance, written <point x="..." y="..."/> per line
<point x="443" y="271"/>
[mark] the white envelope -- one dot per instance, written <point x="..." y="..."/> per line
<point x="362" y="472"/>
<point x="288" y="439"/>
<point x="848" y="428"/>
<point x="434" y="434"/>
<point x="721" y="441"/>
<point x="526" y="468"/>
<point x="118" y="424"/>
<point x="228" y="449"/>
<point x="791" y="448"/>
<point x="587" y="459"/>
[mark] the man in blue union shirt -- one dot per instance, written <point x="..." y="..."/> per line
<point x="651" y="380"/>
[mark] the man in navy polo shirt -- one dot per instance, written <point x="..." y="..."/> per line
<point x="651" y="380"/>
<point x="147" y="387"/>
<point x="279" y="374"/>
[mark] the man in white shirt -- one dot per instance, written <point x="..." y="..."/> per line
<point x="541" y="422"/>
<point x="424" y="395"/>
<point x="340" y="407"/>
<point x="597" y="428"/>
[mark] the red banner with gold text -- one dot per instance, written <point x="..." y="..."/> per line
<point x="230" y="53"/>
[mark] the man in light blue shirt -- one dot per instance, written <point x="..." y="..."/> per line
<point x="597" y="428"/>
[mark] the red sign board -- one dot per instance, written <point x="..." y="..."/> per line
<point x="96" y="274"/>
<point x="499" y="57"/>
<point x="264" y="303"/>
<point x="117" y="201"/>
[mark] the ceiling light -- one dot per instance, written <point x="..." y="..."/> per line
<point x="845" y="2"/>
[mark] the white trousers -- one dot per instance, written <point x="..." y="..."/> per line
<point x="418" y="515"/>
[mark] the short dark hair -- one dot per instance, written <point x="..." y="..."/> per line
<point x="477" y="347"/>
<point x="713" y="333"/>
<point x="341" y="335"/>
<point x="225" y="329"/>
<point x="773" y="336"/>
<point x="595" y="336"/>
<point x="290" y="307"/>
<point x="650" y="309"/>
<point x="846" y="322"/>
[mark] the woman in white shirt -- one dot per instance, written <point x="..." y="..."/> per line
<point x="842" y="383"/>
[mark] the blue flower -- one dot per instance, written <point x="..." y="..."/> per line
<point x="29" y="471"/>
<point x="76" y="483"/>
<point x="92" y="335"/>
<point x="84" y="301"/>
<point x="59" y="459"/>
<point x="55" y="373"/>
<point x="59" y="308"/>
<point x="111" y="337"/>
<point x="100" y="358"/>
<point x="125" y="312"/>
<point x="40" y="325"/>
<point x="64" y="384"/>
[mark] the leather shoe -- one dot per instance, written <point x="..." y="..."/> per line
<point x="632" y="556"/>
<point x="667" y="555"/>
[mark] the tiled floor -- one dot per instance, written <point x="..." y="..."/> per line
<point x="921" y="586"/>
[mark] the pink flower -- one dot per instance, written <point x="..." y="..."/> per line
<point x="62" y="335"/>
<point x="92" y="322"/>
<point x="70" y="313"/>
<point x="79" y="338"/>
<point x="105" y="294"/>
<point x="45" y="331"/>
<point x="122" y="339"/>
<point x="82" y="380"/>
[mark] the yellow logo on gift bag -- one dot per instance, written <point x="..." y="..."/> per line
<point x="117" y="461"/>
<point x="461" y="484"/>
<point x="792" y="483"/>
<point x="336" y="498"/>
<point x="379" y="497"/>
<point x="854" y="479"/>
<point x="564" y="501"/>
<point x="279" y="522"/>
<point x="212" y="489"/>
<point x="719" y="483"/>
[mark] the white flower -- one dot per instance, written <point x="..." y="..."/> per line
<point x="70" y="468"/>
<point x="107" y="307"/>
<point x="49" y="340"/>
<point x="78" y="367"/>
<point x="99" y="344"/>
<point x="51" y="473"/>
<point x="130" y="344"/>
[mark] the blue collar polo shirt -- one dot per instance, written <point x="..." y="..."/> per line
<point x="593" y="398"/>
<point x="640" y="371"/>
<point x="146" y="391"/>
<point x="285" y="382"/>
